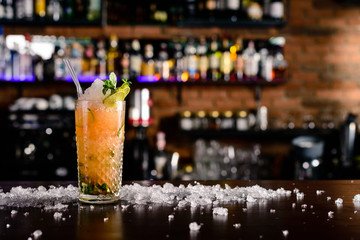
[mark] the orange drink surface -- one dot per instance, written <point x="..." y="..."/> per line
<point x="100" y="141"/>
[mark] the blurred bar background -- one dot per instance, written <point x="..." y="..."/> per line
<point x="222" y="89"/>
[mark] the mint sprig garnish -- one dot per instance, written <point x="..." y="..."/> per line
<point x="110" y="84"/>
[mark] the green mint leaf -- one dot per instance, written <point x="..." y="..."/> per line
<point x="126" y="82"/>
<point x="112" y="153"/>
<point x="91" y="113"/>
<point x="113" y="79"/>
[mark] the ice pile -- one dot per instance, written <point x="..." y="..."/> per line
<point x="197" y="194"/>
<point x="220" y="211"/>
<point x="356" y="198"/>
<point x="94" y="92"/>
<point x="39" y="197"/>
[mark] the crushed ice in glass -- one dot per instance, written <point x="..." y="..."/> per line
<point x="94" y="92"/>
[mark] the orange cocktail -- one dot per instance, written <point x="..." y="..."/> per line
<point x="100" y="141"/>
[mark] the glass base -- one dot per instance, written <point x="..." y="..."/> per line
<point x="98" y="199"/>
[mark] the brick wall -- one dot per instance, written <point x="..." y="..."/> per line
<point x="323" y="53"/>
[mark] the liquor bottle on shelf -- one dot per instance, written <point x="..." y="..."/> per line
<point x="161" y="159"/>
<point x="2" y="53"/>
<point x="202" y="50"/>
<point x="94" y="10"/>
<point x="210" y="7"/>
<point x="225" y="61"/>
<point x="178" y="68"/>
<point x="276" y="10"/>
<point x="9" y="9"/>
<point x="55" y="66"/>
<point x="77" y="52"/>
<point x="113" y="55"/>
<point x="266" y="9"/>
<point x="191" y="9"/>
<point x="251" y="62"/>
<point x="176" y="14"/>
<point x="125" y="61"/>
<point x="15" y="62"/>
<point x="2" y="9"/>
<point x="266" y="65"/>
<point x="40" y="10"/>
<point x="159" y="12"/>
<point x="254" y="10"/>
<point x="238" y="61"/>
<point x="101" y="58"/>
<point x="8" y="63"/>
<point x="214" y="60"/>
<point x="26" y="61"/>
<point x="233" y="9"/>
<point x="148" y="64"/>
<point x="162" y="63"/>
<point x="54" y="10"/>
<point x="89" y="61"/>
<point x="24" y="9"/>
<point x="68" y="9"/>
<point x="191" y="60"/>
<point x="80" y="9"/>
<point x="279" y="64"/>
<point x="135" y="59"/>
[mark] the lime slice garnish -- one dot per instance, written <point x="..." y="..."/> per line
<point x="118" y="95"/>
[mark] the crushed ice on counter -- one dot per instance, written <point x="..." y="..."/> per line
<point x="356" y="198"/>
<point x="57" y="215"/>
<point x="330" y="214"/>
<point x="58" y="206"/>
<point x="299" y="195"/>
<point x="285" y="233"/>
<point x="51" y="198"/>
<point x="220" y="211"/>
<point x="194" y="226"/>
<point x="237" y="225"/>
<point x="339" y="201"/>
<point x="319" y="192"/>
<point x="196" y="195"/>
<point x="37" y="234"/>
<point x="171" y="217"/>
<point x="106" y="219"/>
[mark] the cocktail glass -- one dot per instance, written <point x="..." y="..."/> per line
<point x="100" y="135"/>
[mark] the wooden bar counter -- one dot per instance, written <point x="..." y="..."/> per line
<point x="315" y="216"/>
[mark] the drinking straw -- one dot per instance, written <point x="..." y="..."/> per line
<point x="74" y="77"/>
